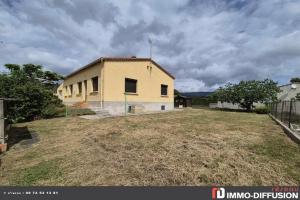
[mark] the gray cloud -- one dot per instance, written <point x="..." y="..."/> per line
<point x="135" y="33"/>
<point x="203" y="43"/>
<point x="80" y="11"/>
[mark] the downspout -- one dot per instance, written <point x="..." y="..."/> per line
<point x="102" y="84"/>
<point x="125" y="103"/>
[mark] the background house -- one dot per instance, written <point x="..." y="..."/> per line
<point x="288" y="91"/>
<point x="199" y="98"/>
<point x="119" y="84"/>
<point x="181" y="101"/>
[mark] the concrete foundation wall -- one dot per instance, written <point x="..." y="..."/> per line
<point x="225" y="105"/>
<point x="231" y="106"/>
<point x="119" y="107"/>
<point x="89" y="103"/>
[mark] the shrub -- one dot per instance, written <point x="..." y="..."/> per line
<point x="32" y="89"/>
<point x="262" y="110"/>
<point x="295" y="80"/>
<point x="50" y="111"/>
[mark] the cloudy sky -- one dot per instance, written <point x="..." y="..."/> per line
<point x="203" y="43"/>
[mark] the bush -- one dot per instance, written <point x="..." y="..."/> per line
<point x="203" y="101"/>
<point x="50" y="111"/>
<point x="262" y="110"/>
<point x="295" y="80"/>
<point x="32" y="89"/>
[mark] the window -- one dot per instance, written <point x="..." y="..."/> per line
<point x="163" y="107"/>
<point x="163" y="90"/>
<point x="71" y="89"/>
<point x="130" y="85"/>
<point x="129" y="109"/>
<point x="79" y="87"/>
<point x="95" y="84"/>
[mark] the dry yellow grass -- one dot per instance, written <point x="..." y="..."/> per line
<point x="192" y="147"/>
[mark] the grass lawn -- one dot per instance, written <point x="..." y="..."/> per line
<point x="192" y="147"/>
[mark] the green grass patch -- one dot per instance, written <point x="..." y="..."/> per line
<point x="44" y="170"/>
<point x="31" y="155"/>
<point x="276" y="148"/>
<point x="72" y="112"/>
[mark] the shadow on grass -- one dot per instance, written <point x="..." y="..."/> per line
<point x="22" y="136"/>
<point x="234" y="110"/>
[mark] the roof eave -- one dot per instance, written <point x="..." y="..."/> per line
<point x="102" y="59"/>
<point x="99" y="60"/>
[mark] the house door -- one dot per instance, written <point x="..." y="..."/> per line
<point x="85" y="90"/>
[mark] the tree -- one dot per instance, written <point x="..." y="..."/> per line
<point x="246" y="93"/>
<point x="295" y="80"/>
<point x="176" y="92"/>
<point x="32" y="88"/>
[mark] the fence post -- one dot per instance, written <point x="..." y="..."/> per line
<point x="276" y="109"/>
<point x="281" y="114"/>
<point x="290" y="113"/>
<point x="2" y="123"/>
<point x="272" y="109"/>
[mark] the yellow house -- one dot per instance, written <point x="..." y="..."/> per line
<point x="120" y="85"/>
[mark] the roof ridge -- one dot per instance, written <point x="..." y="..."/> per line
<point x="118" y="59"/>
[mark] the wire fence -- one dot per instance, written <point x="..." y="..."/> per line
<point x="288" y="112"/>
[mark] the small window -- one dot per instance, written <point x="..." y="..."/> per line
<point x="129" y="109"/>
<point x="163" y="107"/>
<point x="95" y="84"/>
<point x="79" y="87"/>
<point x="71" y="89"/>
<point x="164" y="90"/>
<point x="130" y="85"/>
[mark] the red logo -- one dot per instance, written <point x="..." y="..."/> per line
<point x="217" y="193"/>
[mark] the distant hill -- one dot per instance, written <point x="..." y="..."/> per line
<point x="196" y="94"/>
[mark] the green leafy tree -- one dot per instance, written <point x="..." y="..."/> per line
<point x="176" y="92"/>
<point x="246" y="93"/>
<point x="295" y="80"/>
<point x="32" y="88"/>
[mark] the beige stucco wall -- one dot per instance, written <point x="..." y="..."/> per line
<point x="86" y="74"/>
<point x="149" y="79"/>
<point x="59" y="91"/>
<point x="111" y="84"/>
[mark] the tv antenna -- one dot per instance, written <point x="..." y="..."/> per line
<point x="150" y="43"/>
